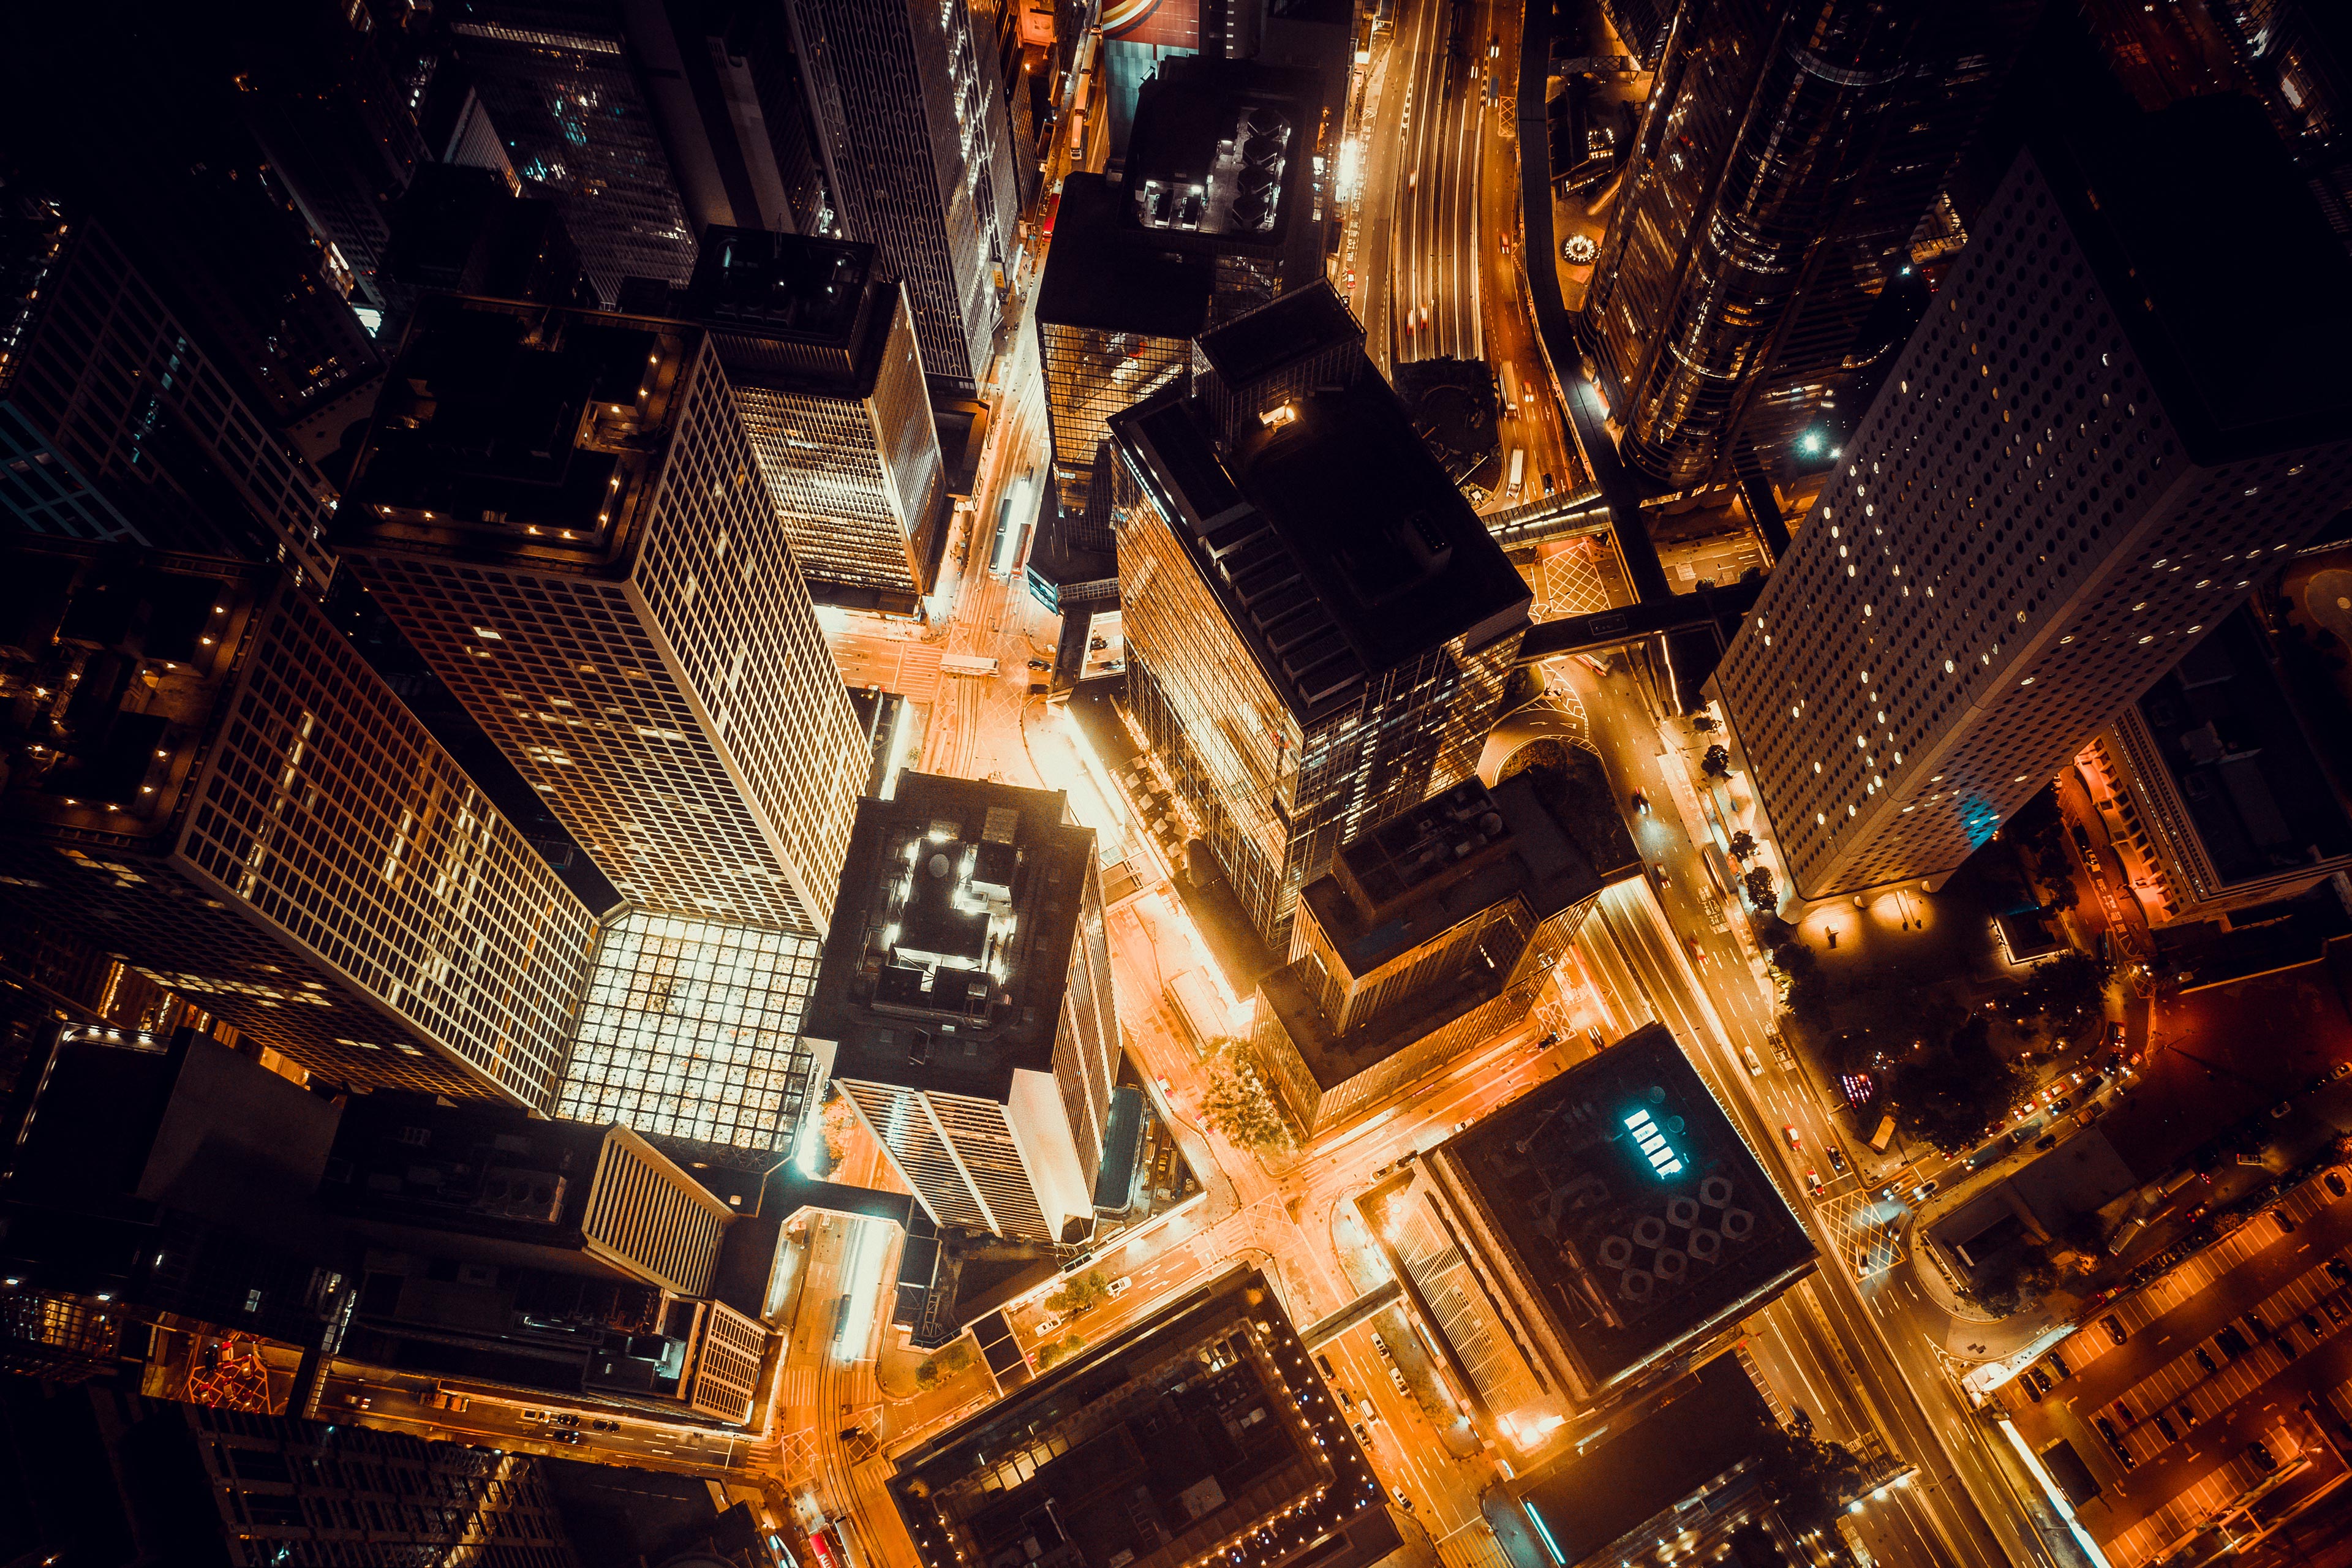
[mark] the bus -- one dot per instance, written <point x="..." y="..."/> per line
<point x="1199" y="1009"/>
<point x="966" y="664"/>
<point x="1519" y="469"/>
<point x="1511" y="391"/>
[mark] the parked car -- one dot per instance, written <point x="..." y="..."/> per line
<point x="1398" y="1378"/>
<point x="1364" y="1437"/>
<point x="2031" y="1392"/>
<point x="2164" y="1425"/>
<point x="2261" y="1455"/>
<point x="1380" y="1344"/>
<point x="2232" y="1343"/>
<point x="2106" y="1428"/>
<point x="2335" y="1308"/>
<point x="2339" y="1271"/>
<point x="2124" y="1456"/>
<point x="2114" y="1325"/>
<point x="2286" y="1222"/>
<point x="2335" y="1183"/>
<point x="2058" y="1361"/>
<point x="2205" y="1360"/>
<point x="2253" y="1321"/>
<point x="2188" y="1416"/>
<point x="2311" y="1325"/>
<point x="1403" y="1501"/>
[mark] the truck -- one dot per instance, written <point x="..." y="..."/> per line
<point x="1198" y="1008"/>
<point x="1510" y="390"/>
<point x="1518" y="471"/>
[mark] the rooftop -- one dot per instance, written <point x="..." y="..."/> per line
<point x="1202" y="1430"/>
<point x="1105" y="272"/>
<point x="1336" y="544"/>
<point x="525" y="430"/>
<point x="2238" y="758"/>
<point x="951" y="944"/>
<point x="791" y="312"/>
<point x="2242" y="337"/>
<point x="1302" y="323"/>
<point x="1591" y="1500"/>
<point x="1222" y="147"/>
<point x="1629" y="1202"/>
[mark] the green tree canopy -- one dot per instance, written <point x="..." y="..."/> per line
<point x="1948" y="1092"/>
<point x="1243" y="1104"/>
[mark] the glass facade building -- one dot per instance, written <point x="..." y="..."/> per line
<point x="1788" y="154"/>
<point x="558" y="83"/>
<point x="914" y="134"/>
<point x="690" y="1029"/>
<point x="1317" y="626"/>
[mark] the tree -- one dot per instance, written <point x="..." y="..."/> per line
<point x="953" y="1359"/>
<point x="1704" y="724"/>
<point x="1808" y="1480"/>
<point x="2060" y="994"/>
<point x="1759" y="883"/>
<point x="1951" y="1091"/>
<point x="2016" y="1278"/>
<point x="1742" y="846"/>
<point x="1716" y="763"/>
<point x="1078" y="1293"/>
<point x="1058" y="1351"/>
<point x="1238" y="1097"/>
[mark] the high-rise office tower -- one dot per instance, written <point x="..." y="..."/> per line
<point x="1787" y="154"/>
<point x="966" y="997"/>
<point x="2077" y="466"/>
<point x="207" y="775"/>
<point x="116" y="424"/>
<point x="1318" y="625"/>
<point x="910" y="116"/>
<point x="565" y="94"/>
<point x="815" y="338"/>
<point x="1216" y="213"/>
<point x="562" y="513"/>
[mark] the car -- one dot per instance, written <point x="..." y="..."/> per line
<point x="2114" y="1327"/>
<point x="1493" y="45"/>
<point x="2164" y="1425"/>
<point x="1413" y="179"/>
<point x="1424" y="313"/>
<point x="2047" y="1140"/>
<point x="2311" y="1324"/>
<point x="2205" y="1359"/>
<point x="1381" y="1345"/>
<point x="2284" y="1340"/>
<point x="2341" y="1070"/>
<point x="564" y="1418"/>
<point x="1403" y="1501"/>
<point x="2278" y="1112"/>
<point x="1658" y="873"/>
<point x="1594" y="1031"/>
<point x="2058" y="1364"/>
<point x="1642" y="800"/>
<point x="2188" y="1416"/>
<point x="357" y="1400"/>
<point x="1796" y="1140"/>
<point x="2261" y="1455"/>
<point x="2124" y="1456"/>
<point x="1754" y="1063"/>
<point x="2335" y="1183"/>
<point x="1398" y="1378"/>
<point x="1325" y="1363"/>
<point x="535" y="1414"/>
<point x="1924" y="1191"/>
<point x="1118" y="1288"/>
<point x="2031" y="1392"/>
<point x="2287" y="1222"/>
<point x="2106" y="1428"/>
<point x="561" y="1436"/>
<point x="601" y="1424"/>
<point x="1506" y="245"/>
<point x="2126" y="1412"/>
<point x="2230" y="1342"/>
<point x="1362" y="1436"/>
<point x="1549" y="485"/>
<point x="2339" y="1271"/>
<point x="1813" y="1183"/>
<point x="2253" y="1321"/>
<point x="1837" y="1159"/>
<point x="2040" y="1378"/>
<point x="1464" y="1125"/>
<point x="2061" y="1104"/>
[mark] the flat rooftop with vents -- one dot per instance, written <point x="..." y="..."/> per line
<point x="950" y="946"/>
<point x="1624" y="1217"/>
<point x="1201" y="1433"/>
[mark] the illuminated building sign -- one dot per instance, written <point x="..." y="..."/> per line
<point x="1661" y="1157"/>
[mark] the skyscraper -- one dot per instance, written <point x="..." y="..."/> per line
<point x="911" y="115"/>
<point x="118" y="425"/>
<point x="1317" y="626"/>
<point x="2085" y="456"/>
<point x="966" y="997"/>
<point x="1789" y="150"/>
<point x="207" y="775"/>
<point x="562" y="513"/>
<point x="559" y="83"/>
<point x="815" y="337"/>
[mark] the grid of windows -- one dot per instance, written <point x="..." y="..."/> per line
<point x="1091" y="374"/>
<point x="645" y="1212"/>
<point x="912" y="122"/>
<point x="328" y="880"/>
<point x="900" y="1120"/>
<point x="691" y="1029"/>
<point x="687" y="725"/>
<point x="354" y="1497"/>
<point x="727" y="1363"/>
<point x="2016" y="547"/>
<point x="568" y="108"/>
<point x="111" y="380"/>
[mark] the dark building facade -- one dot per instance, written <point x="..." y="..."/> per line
<point x="912" y="129"/>
<point x="1431" y="932"/>
<point x="966" y="1000"/>
<point x="1785" y="159"/>
<point x="205" y="775"/>
<point x="1317" y="626"/>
